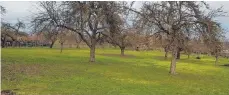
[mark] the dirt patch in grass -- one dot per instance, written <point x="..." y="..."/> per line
<point x="118" y="55"/>
<point x="12" y="72"/>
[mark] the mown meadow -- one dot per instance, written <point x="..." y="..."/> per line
<point x="44" y="71"/>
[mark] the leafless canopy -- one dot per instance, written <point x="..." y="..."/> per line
<point x="179" y="20"/>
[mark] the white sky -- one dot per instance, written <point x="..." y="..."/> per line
<point x="24" y="9"/>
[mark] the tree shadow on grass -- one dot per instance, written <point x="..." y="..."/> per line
<point x="118" y="55"/>
<point x="225" y="65"/>
<point x="185" y="60"/>
<point x="197" y="61"/>
<point x="161" y="58"/>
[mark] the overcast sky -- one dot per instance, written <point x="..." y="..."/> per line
<point x="24" y="9"/>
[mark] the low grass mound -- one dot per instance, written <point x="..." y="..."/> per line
<point x="43" y="71"/>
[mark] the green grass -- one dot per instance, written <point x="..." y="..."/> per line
<point x="43" y="71"/>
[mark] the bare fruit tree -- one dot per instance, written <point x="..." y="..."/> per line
<point x="17" y="28"/>
<point x="214" y="41"/>
<point x="6" y="34"/>
<point x="62" y="38"/>
<point x="84" y="18"/>
<point x="172" y="18"/>
<point x="117" y="18"/>
<point x="48" y="30"/>
<point x="78" y="40"/>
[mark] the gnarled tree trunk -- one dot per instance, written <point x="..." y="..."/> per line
<point x="166" y="52"/>
<point x="178" y="54"/>
<point x="61" y="47"/>
<point x="122" y="51"/>
<point x="92" y="54"/>
<point x="77" y="45"/>
<point x="52" y="43"/>
<point x="173" y="62"/>
<point x="216" y="59"/>
<point x="92" y="50"/>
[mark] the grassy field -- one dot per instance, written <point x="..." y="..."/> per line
<point x="43" y="71"/>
